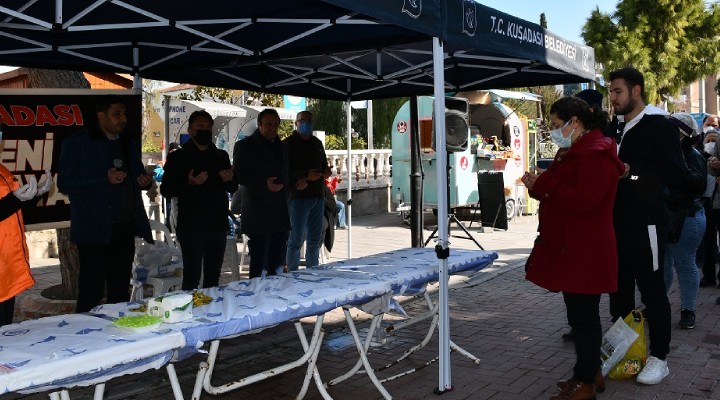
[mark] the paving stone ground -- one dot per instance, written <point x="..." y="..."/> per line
<point x="513" y="326"/>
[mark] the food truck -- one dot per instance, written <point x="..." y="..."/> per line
<point x="499" y="144"/>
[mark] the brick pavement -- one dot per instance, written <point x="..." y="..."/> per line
<point x="513" y="326"/>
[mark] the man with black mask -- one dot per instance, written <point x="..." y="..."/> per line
<point x="200" y="176"/>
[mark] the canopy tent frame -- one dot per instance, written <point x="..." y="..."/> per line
<point x="332" y="49"/>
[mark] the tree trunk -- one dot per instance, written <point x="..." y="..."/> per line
<point x="67" y="250"/>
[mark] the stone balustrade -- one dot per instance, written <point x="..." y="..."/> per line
<point x="369" y="168"/>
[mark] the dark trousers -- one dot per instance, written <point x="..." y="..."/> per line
<point x="202" y="251"/>
<point x="635" y="266"/>
<point x="7" y="309"/>
<point x="106" y="269"/>
<point x="267" y="252"/>
<point x="583" y="314"/>
<point x="708" y="247"/>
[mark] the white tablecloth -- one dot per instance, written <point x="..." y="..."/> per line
<point x="77" y="350"/>
<point x="247" y="305"/>
<point x="407" y="270"/>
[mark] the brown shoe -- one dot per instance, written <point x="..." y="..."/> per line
<point x="576" y="391"/>
<point x="599" y="383"/>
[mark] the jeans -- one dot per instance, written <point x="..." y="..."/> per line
<point x="306" y="221"/>
<point x="267" y="253"/>
<point x="681" y="255"/>
<point x="340" y="211"/>
<point x="583" y="314"/>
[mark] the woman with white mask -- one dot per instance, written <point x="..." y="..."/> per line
<point x="577" y="194"/>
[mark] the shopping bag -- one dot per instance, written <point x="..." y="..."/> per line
<point x="635" y="358"/>
<point x="615" y="344"/>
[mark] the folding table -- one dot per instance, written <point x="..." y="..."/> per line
<point x="408" y="271"/>
<point x="66" y="351"/>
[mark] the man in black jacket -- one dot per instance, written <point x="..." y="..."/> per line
<point x="307" y="167"/>
<point x="201" y="177"/>
<point x="648" y="144"/>
<point x="260" y="163"/>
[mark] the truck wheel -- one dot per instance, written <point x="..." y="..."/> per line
<point x="510" y="207"/>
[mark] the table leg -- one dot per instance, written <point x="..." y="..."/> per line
<point x="362" y="350"/>
<point x="206" y="368"/>
<point x="99" y="391"/>
<point x="312" y="370"/>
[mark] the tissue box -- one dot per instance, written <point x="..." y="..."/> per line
<point x="177" y="307"/>
<point x="154" y="306"/>
<point x="171" y="307"/>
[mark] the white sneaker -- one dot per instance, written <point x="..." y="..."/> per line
<point x="654" y="372"/>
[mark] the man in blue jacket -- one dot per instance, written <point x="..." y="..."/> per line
<point x="101" y="171"/>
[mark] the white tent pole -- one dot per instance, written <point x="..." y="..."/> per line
<point x="348" y="208"/>
<point x="441" y="248"/>
<point x="166" y="134"/>
<point x="137" y="81"/>
<point x="370" y="132"/>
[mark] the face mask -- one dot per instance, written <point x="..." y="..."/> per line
<point x="202" y="137"/>
<point x="561" y="141"/>
<point x="709" y="147"/>
<point x="708" y="128"/>
<point x="305" y="128"/>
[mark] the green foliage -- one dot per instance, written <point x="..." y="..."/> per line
<point x="384" y="111"/>
<point x="206" y="93"/>
<point x="529" y="109"/>
<point x="230" y="96"/>
<point x="148" y="145"/>
<point x="285" y="129"/>
<point x="330" y="116"/>
<point x="672" y="42"/>
<point x="264" y="99"/>
<point x="337" y="142"/>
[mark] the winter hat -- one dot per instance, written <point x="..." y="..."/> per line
<point x="685" y="123"/>
<point x="592" y="97"/>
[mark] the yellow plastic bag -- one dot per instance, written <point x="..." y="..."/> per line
<point x="635" y="358"/>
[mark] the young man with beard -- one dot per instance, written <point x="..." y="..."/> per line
<point x="200" y="176"/>
<point x="649" y="147"/>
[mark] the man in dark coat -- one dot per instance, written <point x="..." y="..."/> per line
<point x="261" y="167"/>
<point x="200" y="176"/>
<point x="649" y="147"/>
<point x="307" y="167"/>
<point x="101" y="171"/>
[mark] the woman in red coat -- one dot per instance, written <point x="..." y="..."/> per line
<point x="575" y="251"/>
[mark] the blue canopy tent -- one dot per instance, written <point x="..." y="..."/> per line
<point x="332" y="49"/>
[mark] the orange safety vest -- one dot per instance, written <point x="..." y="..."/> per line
<point x="15" y="276"/>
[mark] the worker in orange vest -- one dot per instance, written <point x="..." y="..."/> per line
<point x="15" y="276"/>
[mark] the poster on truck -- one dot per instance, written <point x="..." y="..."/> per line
<point x="34" y="123"/>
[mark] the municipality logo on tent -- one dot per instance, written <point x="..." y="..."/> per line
<point x="412" y="8"/>
<point x="469" y="17"/>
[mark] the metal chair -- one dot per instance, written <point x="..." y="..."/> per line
<point x="161" y="278"/>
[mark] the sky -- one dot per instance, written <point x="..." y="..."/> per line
<point x="564" y="18"/>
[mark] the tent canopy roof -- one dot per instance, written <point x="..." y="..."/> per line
<point x="334" y="49"/>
